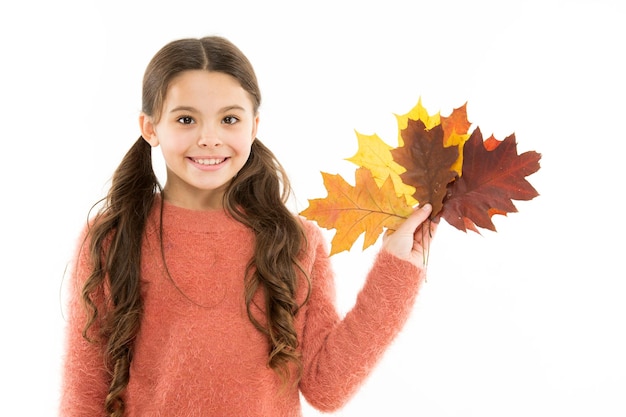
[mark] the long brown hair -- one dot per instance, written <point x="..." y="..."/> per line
<point x="257" y="197"/>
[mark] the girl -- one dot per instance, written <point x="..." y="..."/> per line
<point x="208" y="297"/>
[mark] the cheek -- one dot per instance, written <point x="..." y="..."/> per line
<point x="244" y="145"/>
<point x="240" y="139"/>
<point x="177" y="143"/>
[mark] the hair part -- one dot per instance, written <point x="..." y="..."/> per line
<point x="256" y="197"/>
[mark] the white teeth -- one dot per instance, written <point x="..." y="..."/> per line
<point x="208" y="161"/>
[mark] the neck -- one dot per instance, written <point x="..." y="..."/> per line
<point x="194" y="201"/>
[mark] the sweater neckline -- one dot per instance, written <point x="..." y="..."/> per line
<point x="181" y="218"/>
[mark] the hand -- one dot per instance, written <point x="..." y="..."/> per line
<point x="411" y="240"/>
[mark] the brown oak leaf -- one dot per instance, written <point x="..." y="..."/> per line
<point x="427" y="162"/>
<point x="493" y="175"/>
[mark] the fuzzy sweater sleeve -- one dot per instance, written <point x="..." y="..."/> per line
<point x="84" y="380"/>
<point x="339" y="354"/>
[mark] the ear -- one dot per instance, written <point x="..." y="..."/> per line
<point x="255" y="127"/>
<point x="147" y="130"/>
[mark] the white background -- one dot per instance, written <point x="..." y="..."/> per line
<point x="527" y="321"/>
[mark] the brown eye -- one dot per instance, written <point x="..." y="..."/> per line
<point x="230" y="120"/>
<point x="186" y="120"/>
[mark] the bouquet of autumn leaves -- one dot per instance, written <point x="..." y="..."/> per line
<point x="466" y="179"/>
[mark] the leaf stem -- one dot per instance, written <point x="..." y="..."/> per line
<point x="426" y="237"/>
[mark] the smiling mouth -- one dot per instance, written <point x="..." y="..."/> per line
<point x="208" y="161"/>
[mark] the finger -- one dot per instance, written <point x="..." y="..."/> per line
<point x="425" y="232"/>
<point x="429" y="228"/>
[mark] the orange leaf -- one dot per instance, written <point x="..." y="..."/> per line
<point x="427" y="162"/>
<point x="352" y="211"/>
<point x="493" y="175"/>
<point x="455" y="128"/>
<point x="455" y="124"/>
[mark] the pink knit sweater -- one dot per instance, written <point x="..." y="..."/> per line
<point x="197" y="354"/>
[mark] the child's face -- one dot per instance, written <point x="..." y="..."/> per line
<point x="205" y="132"/>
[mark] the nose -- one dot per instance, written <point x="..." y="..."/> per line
<point x="209" y="138"/>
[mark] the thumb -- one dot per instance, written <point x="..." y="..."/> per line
<point x="415" y="219"/>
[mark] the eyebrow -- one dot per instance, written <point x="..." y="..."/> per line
<point x="193" y="109"/>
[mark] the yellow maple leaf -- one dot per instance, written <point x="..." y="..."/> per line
<point x="418" y="112"/>
<point x="364" y="208"/>
<point x="374" y="154"/>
